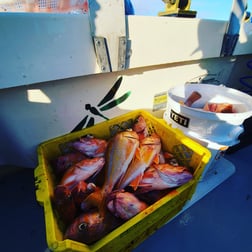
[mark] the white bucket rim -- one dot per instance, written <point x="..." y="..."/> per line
<point x="176" y="102"/>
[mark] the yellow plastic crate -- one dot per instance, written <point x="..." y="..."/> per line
<point x="138" y="228"/>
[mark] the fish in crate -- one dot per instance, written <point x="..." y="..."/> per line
<point x="131" y="163"/>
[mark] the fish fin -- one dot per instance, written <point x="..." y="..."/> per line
<point x="156" y="159"/>
<point x="95" y="199"/>
<point x="138" y="153"/>
<point x="168" y="155"/>
<point x="135" y="182"/>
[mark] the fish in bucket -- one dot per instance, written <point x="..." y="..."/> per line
<point x="213" y="115"/>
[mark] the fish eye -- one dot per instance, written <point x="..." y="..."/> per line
<point x="82" y="226"/>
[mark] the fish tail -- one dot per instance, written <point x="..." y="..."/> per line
<point x="135" y="182"/>
<point x="156" y="159"/>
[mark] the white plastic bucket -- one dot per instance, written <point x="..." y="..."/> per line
<point x="221" y="128"/>
<point x="217" y="131"/>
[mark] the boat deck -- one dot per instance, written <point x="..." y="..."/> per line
<point x="220" y="221"/>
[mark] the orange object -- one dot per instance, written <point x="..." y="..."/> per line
<point x="192" y="98"/>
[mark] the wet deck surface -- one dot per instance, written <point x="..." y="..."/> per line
<point x="221" y="221"/>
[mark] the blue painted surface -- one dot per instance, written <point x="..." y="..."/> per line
<point x="220" y="221"/>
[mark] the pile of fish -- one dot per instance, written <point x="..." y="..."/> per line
<point x="104" y="182"/>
